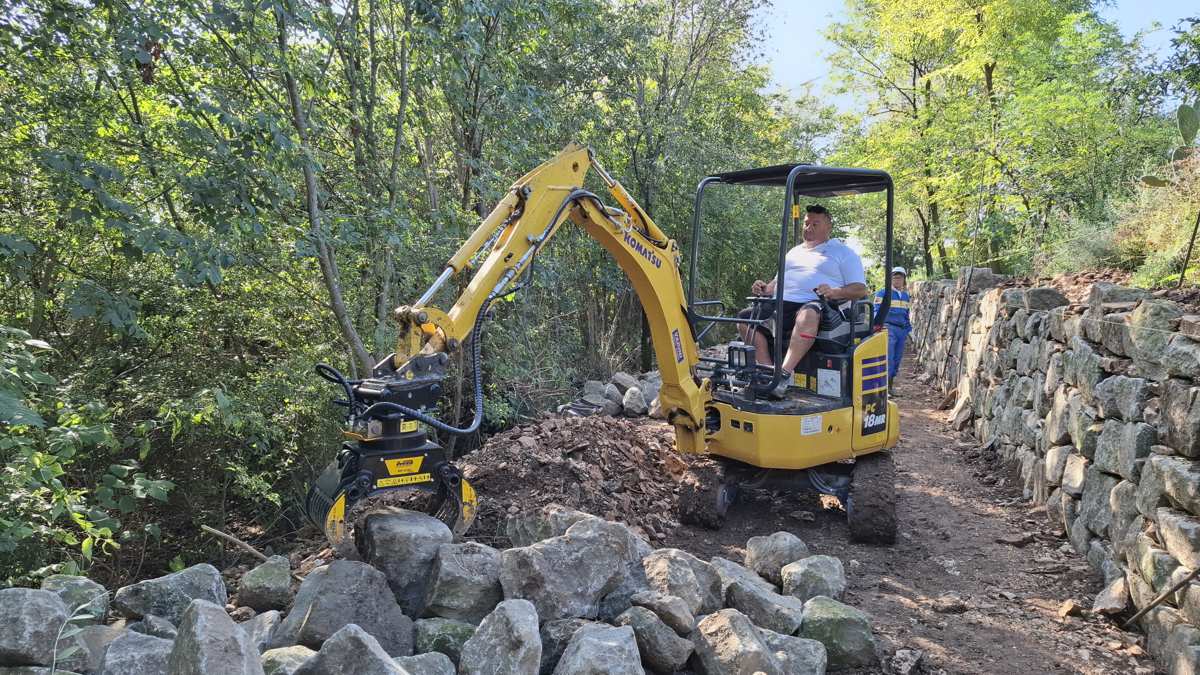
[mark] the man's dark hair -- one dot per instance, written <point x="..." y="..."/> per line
<point x="816" y="208"/>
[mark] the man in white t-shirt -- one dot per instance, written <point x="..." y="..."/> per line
<point x="820" y="266"/>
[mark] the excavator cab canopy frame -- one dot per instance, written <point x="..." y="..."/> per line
<point x="798" y="180"/>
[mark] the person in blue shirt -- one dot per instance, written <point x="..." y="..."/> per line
<point x="898" y="325"/>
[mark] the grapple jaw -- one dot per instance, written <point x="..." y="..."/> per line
<point x="422" y="479"/>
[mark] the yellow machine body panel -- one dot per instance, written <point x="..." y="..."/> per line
<point x="782" y="441"/>
<point x="794" y="441"/>
<point x="873" y="412"/>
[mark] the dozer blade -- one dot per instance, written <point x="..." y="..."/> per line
<point x="356" y="479"/>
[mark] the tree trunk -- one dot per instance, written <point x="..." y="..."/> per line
<point x="936" y="222"/>
<point x="926" y="251"/>
<point x="325" y="255"/>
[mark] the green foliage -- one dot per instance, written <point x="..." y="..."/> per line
<point x="199" y="201"/>
<point x="1006" y="123"/>
<point x="159" y="229"/>
<point x="50" y="506"/>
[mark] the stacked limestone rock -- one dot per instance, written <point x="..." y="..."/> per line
<point x="623" y="394"/>
<point x="580" y="595"/>
<point x="1099" y="404"/>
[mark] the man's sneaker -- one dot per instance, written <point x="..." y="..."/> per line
<point x="780" y="390"/>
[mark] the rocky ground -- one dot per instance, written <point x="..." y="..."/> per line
<point x="976" y="583"/>
<point x="976" y="580"/>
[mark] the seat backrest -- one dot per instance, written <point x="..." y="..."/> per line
<point x="860" y="314"/>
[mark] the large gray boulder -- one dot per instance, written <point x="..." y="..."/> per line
<point x="403" y="544"/>
<point x="672" y="610"/>
<point x="133" y="653"/>
<point x="1151" y="492"/>
<point x="342" y="593"/>
<point x="623" y="381"/>
<point x="1074" y="473"/>
<point x="169" y="596"/>
<point x="1180" y="533"/>
<point x="556" y="635"/>
<point x="1181" y="417"/>
<point x="1180" y="479"/>
<point x="465" y="582"/>
<point x="268" y="586"/>
<point x="633" y="403"/>
<point x="729" y="572"/>
<point x="1082" y="368"/>
<point x="529" y="527"/>
<point x="262" y="628"/>
<point x="351" y="650"/>
<point x="568" y="576"/>
<point x="660" y="647"/>
<point x="32" y="620"/>
<point x="1182" y="358"/>
<point x="1044" y="298"/>
<point x="1081" y="424"/>
<point x="1055" y="463"/>
<point x="210" y="642"/>
<point x="285" y="660"/>
<point x="1121" y="444"/>
<point x="767" y="555"/>
<point x="727" y="643"/>
<point x="679" y="573"/>
<point x="92" y="640"/>
<point x="426" y="664"/>
<point x="77" y="592"/>
<point x="844" y="630"/>
<point x="445" y="636"/>
<point x="1093" y="507"/>
<point x="1113" y="599"/>
<point x="1122" y="397"/>
<point x="155" y="626"/>
<point x="507" y="642"/>
<point x="1148" y="326"/>
<point x="780" y="613"/>
<point x="601" y="650"/>
<point x="559" y="577"/>
<point x="798" y="656"/>
<point x="813" y="576"/>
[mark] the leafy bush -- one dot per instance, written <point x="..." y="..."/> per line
<point x="51" y="518"/>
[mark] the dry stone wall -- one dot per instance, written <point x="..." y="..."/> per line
<point x="1097" y="402"/>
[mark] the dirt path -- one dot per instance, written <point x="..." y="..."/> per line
<point x="951" y="524"/>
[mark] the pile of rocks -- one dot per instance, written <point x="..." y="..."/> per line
<point x="623" y="394"/>
<point x="579" y="595"/>
<point x="1097" y="401"/>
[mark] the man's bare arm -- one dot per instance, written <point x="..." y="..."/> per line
<point x="848" y="292"/>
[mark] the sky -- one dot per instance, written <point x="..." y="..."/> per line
<point x="795" y="50"/>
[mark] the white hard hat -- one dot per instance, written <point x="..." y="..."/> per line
<point x="899" y="270"/>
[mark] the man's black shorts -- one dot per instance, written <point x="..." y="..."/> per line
<point x="830" y="317"/>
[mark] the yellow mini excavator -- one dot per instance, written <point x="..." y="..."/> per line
<point x="830" y="432"/>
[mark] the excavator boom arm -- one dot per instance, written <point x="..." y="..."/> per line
<point x="501" y="249"/>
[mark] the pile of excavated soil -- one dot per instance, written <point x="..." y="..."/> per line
<point x="625" y="470"/>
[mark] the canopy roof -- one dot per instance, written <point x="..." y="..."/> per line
<point x="813" y="180"/>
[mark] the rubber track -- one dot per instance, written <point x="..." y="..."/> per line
<point x="872" y="511"/>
